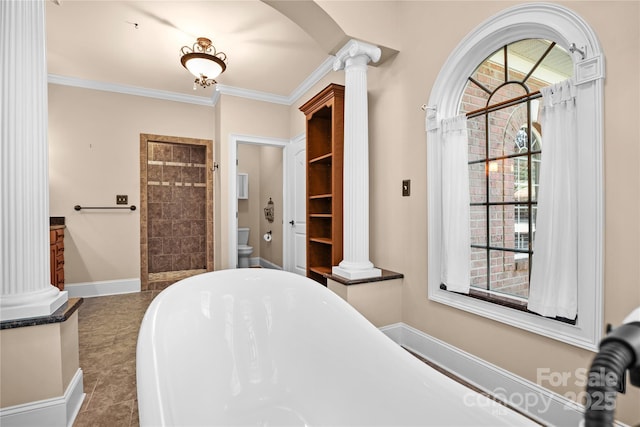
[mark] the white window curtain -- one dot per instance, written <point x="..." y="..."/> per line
<point x="553" y="288"/>
<point x="456" y="240"/>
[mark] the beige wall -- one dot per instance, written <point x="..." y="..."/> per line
<point x="241" y="116"/>
<point x="377" y="22"/>
<point x="271" y="187"/>
<point x="428" y="32"/>
<point x="297" y="122"/>
<point x="38" y="362"/>
<point x="264" y="166"/>
<point x="217" y="190"/>
<point x="249" y="209"/>
<point x="94" y="154"/>
<point x="379" y="302"/>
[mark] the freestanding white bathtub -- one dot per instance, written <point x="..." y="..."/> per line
<point x="259" y="347"/>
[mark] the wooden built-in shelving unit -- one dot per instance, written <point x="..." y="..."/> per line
<point x="325" y="147"/>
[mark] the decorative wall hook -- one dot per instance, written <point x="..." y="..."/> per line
<point x="268" y="211"/>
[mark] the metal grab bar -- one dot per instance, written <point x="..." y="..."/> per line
<point x="78" y="207"/>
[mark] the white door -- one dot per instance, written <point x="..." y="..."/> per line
<point x="295" y="218"/>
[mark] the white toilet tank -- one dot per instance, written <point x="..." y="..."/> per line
<point x="243" y="236"/>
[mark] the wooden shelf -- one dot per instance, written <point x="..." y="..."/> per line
<point x="322" y="240"/>
<point x="325" y="150"/>
<point x="320" y="270"/>
<point x="325" y="158"/>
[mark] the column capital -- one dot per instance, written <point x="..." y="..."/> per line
<point x="354" y="48"/>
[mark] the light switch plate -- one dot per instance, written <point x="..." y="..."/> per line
<point x="406" y="187"/>
<point x="122" y="199"/>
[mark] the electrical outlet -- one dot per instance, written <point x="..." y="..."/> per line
<point x="122" y="199"/>
<point x="406" y="187"/>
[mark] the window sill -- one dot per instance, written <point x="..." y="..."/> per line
<point x="505" y="301"/>
<point x="514" y="315"/>
<point x="502" y="300"/>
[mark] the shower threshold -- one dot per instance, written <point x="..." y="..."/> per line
<point x="159" y="281"/>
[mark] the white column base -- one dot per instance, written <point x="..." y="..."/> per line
<point x="38" y="307"/>
<point x="57" y="411"/>
<point x="352" y="273"/>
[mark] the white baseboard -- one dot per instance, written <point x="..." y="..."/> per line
<point x="57" y="411"/>
<point x="530" y="398"/>
<point x="268" y="264"/>
<point x="102" y="288"/>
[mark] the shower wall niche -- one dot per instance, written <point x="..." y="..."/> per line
<point x="178" y="210"/>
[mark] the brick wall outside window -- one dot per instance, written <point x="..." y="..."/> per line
<point x="509" y="271"/>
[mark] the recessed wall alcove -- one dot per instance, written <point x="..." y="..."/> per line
<point x="176" y="209"/>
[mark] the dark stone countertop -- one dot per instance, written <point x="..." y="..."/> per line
<point x="58" y="316"/>
<point x="386" y="275"/>
<point x="56" y="222"/>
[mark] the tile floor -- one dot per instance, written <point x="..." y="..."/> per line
<point x="108" y="331"/>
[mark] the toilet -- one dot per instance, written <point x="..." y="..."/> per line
<point x="244" y="250"/>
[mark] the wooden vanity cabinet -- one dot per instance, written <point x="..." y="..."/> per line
<point x="56" y="239"/>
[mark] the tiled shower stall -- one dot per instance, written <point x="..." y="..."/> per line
<point x="178" y="211"/>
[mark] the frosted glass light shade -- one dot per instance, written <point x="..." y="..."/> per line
<point x="201" y="64"/>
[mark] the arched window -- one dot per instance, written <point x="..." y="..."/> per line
<point x="501" y="102"/>
<point x="494" y="77"/>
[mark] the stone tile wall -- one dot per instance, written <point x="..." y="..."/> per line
<point x="177" y="207"/>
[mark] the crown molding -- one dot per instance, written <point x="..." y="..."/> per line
<point x="220" y="89"/>
<point x="129" y="90"/>
<point x="298" y="92"/>
<point x="312" y="79"/>
<point x="252" y="94"/>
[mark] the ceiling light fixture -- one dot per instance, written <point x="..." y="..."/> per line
<point x="203" y="61"/>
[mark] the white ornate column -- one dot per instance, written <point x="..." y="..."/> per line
<point x="353" y="58"/>
<point x="26" y="289"/>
